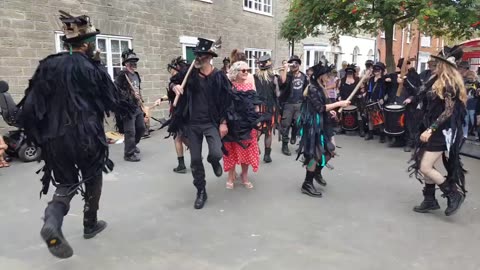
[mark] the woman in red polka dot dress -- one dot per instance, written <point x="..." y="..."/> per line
<point x="238" y="155"/>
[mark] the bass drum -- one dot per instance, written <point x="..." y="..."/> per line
<point x="349" y="118"/>
<point x="394" y="119"/>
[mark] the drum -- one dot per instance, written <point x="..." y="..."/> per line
<point x="349" y="118"/>
<point x="375" y="114"/>
<point x="394" y="119"/>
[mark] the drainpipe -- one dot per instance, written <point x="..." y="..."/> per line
<point x="418" y="49"/>
<point x="403" y="42"/>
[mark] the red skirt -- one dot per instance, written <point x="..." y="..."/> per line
<point x="237" y="155"/>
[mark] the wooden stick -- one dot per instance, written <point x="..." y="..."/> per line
<point x="403" y="69"/>
<point x="356" y="89"/>
<point x="184" y="83"/>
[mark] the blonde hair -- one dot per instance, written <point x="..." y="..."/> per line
<point x="264" y="75"/>
<point x="235" y="70"/>
<point x="471" y="75"/>
<point x="447" y="75"/>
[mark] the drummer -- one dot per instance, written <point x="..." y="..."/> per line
<point x="411" y="81"/>
<point x="347" y="85"/>
<point x="375" y="97"/>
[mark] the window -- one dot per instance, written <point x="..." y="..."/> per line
<point x="355" y="54"/>
<point x="409" y="31"/>
<point x="312" y="54"/>
<point x="426" y="42"/>
<point x="253" y="55"/>
<point x="188" y="44"/>
<point x="382" y="34"/>
<point x="258" y="6"/>
<point x="111" y="48"/>
<point x="370" y="55"/>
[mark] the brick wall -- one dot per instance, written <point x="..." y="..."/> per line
<point x="27" y="32"/>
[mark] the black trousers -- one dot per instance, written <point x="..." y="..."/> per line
<point x="71" y="159"/>
<point x="412" y="118"/>
<point x="291" y="112"/>
<point x="134" y="129"/>
<point x="195" y="134"/>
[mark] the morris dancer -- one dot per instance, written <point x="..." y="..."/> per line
<point x="175" y="68"/>
<point x="202" y="112"/>
<point x="315" y="128"/>
<point x="63" y="112"/>
<point x="442" y="135"/>
<point x="266" y="84"/>
<point x="133" y="125"/>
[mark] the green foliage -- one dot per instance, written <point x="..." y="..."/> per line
<point x="452" y="18"/>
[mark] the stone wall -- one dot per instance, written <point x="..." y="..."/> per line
<point x="27" y="30"/>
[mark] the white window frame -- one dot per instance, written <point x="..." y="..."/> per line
<point x="187" y="41"/>
<point x="382" y="34"/>
<point x="409" y="36"/>
<point x="108" y="38"/>
<point x="426" y="42"/>
<point x="322" y="49"/>
<point x="355" y="55"/>
<point x="252" y="62"/>
<point x="261" y="3"/>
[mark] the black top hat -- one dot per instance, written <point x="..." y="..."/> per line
<point x="129" y="56"/>
<point x="450" y="55"/>
<point x="400" y="62"/>
<point x="77" y="29"/>
<point x="369" y="63"/>
<point x="320" y="69"/>
<point x="351" y="68"/>
<point x="265" y="62"/>
<point x="464" y="64"/>
<point x="380" y="65"/>
<point x="204" y="46"/>
<point x="294" y="58"/>
<point x="177" y="64"/>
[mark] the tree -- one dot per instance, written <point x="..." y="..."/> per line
<point x="448" y="18"/>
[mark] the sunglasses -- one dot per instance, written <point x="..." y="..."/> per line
<point x="244" y="70"/>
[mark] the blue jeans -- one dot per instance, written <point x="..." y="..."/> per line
<point x="469" y="122"/>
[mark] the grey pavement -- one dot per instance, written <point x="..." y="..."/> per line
<point x="364" y="220"/>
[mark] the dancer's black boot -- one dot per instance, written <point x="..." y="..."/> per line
<point x="201" y="199"/>
<point x="267" y="157"/>
<point x="285" y="149"/>
<point x="308" y="187"/>
<point x="181" y="166"/>
<point x="429" y="201"/>
<point x="92" y="226"/>
<point x="52" y="230"/>
<point x="318" y="176"/>
<point x="454" y="197"/>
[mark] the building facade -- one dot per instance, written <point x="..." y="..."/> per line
<point x="157" y="30"/>
<point x="422" y="45"/>
<point x="353" y="50"/>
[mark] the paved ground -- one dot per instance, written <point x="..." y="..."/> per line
<point x="364" y="220"/>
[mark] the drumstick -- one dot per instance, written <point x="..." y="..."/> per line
<point x="184" y="83"/>
<point x="356" y="89"/>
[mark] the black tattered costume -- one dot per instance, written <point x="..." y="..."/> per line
<point x="63" y="112"/>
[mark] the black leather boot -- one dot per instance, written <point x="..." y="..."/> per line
<point x="217" y="168"/>
<point x="429" y="201"/>
<point x="308" y="188"/>
<point x="361" y="128"/>
<point x="369" y="136"/>
<point x="52" y="231"/>
<point x="181" y="166"/>
<point x="318" y="176"/>
<point x="92" y="226"/>
<point x="454" y="197"/>
<point x="266" y="157"/>
<point x="201" y="199"/>
<point x="285" y="149"/>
